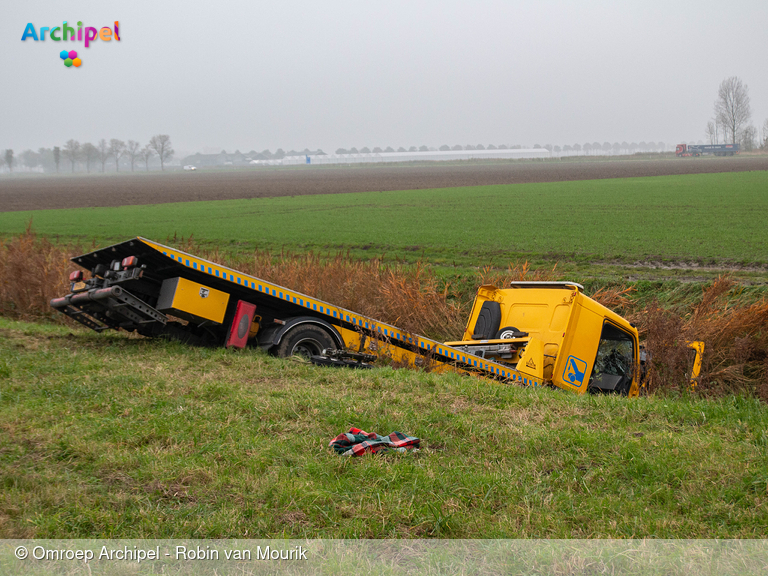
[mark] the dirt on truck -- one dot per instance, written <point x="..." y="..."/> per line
<point x="531" y="333"/>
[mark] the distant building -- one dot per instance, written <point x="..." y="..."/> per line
<point x="415" y="156"/>
<point x="221" y="159"/>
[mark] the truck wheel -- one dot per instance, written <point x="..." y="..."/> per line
<point x="305" y="340"/>
<point x="506" y="333"/>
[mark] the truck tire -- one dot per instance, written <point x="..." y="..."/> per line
<point x="488" y="320"/>
<point x="306" y="340"/>
<point x="506" y="333"/>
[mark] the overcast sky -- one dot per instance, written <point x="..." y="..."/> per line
<point x="306" y="74"/>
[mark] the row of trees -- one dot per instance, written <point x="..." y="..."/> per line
<point x="87" y="154"/>
<point x="74" y="154"/>
<point x="731" y="122"/>
<point x="607" y="148"/>
<point x="587" y="148"/>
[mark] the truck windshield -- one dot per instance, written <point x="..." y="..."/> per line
<point x="615" y="360"/>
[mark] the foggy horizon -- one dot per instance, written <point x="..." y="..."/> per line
<point x="295" y="75"/>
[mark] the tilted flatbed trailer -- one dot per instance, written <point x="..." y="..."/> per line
<point x="133" y="297"/>
<point x="532" y="333"/>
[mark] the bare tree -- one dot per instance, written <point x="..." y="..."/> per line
<point x="72" y="152"/>
<point x="90" y="153"/>
<point x="56" y="157"/>
<point x="711" y="132"/>
<point x="103" y="149"/>
<point x="748" y="137"/>
<point x="764" y="143"/>
<point x="161" y="145"/>
<point x="732" y="109"/>
<point x="30" y="158"/>
<point x="9" y="159"/>
<point x="45" y="156"/>
<point x="116" y="149"/>
<point x="133" y="151"/>
<point x="145" y="154"/>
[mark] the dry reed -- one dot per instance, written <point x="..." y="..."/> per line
<point x="32" y="271"/>
<point x="735" y="336"/>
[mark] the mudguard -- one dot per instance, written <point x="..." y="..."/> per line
<point x="272" y="336"/>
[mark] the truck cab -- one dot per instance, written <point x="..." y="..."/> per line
<point x="553" y="331"/>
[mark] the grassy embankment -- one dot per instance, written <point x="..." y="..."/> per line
<point x="106" y="435"/>
<point x="112" y="436"/>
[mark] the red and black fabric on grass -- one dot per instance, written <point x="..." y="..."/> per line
<point x="357" y="442"/>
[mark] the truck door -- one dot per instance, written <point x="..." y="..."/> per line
<point x="614" y="368"/>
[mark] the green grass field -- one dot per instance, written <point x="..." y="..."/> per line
<point x="707" y="218"/>
<point x="109" y="436"/>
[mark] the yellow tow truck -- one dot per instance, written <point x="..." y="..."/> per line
<point x="533" y="333"/>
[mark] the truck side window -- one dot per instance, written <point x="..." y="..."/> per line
<point x="615" y="360"/>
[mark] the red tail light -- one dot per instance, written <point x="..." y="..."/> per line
<point x="129" y="262"/>
<point x="76" y="276"/>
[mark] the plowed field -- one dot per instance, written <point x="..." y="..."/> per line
<point x="73" y="191"/>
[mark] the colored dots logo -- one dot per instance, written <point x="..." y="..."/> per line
<point x="70" y="58"/>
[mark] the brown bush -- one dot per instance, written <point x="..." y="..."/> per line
<point x="32" y="271"/>
<point x="614" y="297"/>
<point x="735" y="336"/>
<point x="516" y="272"/>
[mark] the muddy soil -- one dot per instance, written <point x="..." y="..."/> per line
<point x="32" y="192"/>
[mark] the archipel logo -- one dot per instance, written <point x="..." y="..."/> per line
<point x="70" y="58"/>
